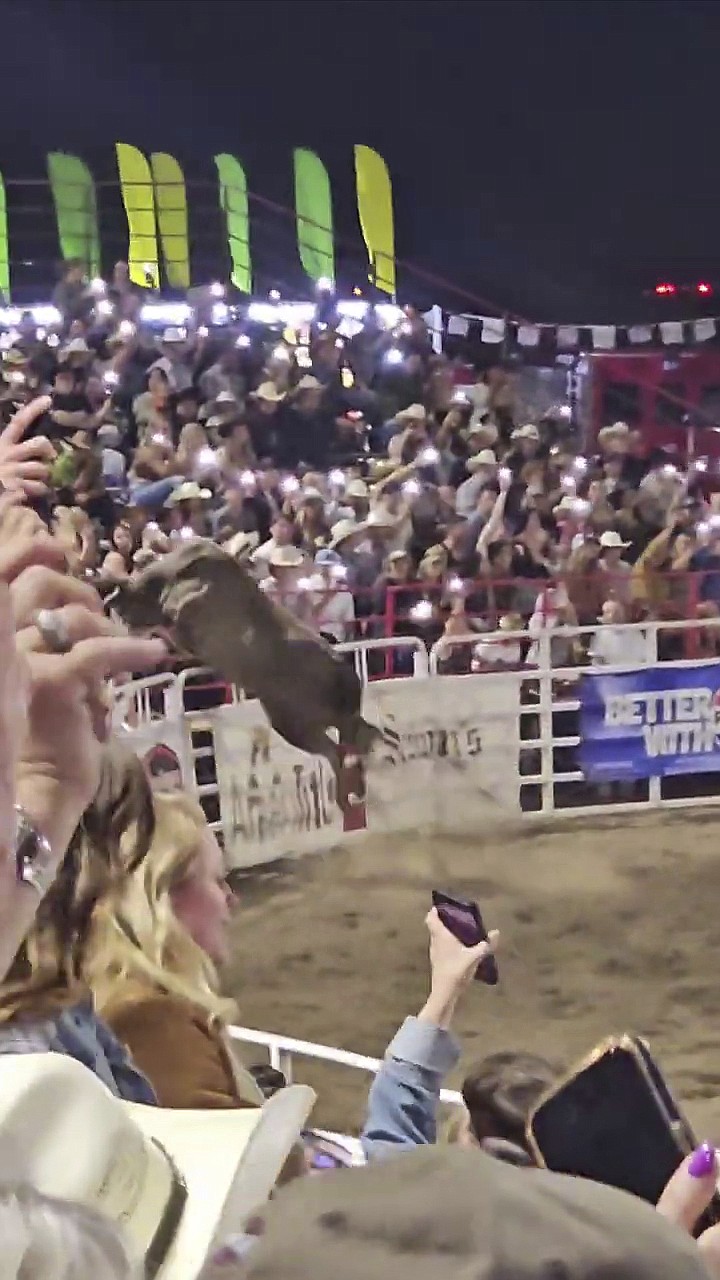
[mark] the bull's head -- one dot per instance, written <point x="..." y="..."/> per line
<point x="153" y="600"/>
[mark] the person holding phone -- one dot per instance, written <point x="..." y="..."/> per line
<point x="404" y="1096"/>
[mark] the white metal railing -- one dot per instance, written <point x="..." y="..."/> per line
<point x="387" y="644"/>
<point x="282" y="1050"/>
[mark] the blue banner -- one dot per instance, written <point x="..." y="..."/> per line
<point x="649" y="723"/>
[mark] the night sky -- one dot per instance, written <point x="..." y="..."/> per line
<point x="554" y="158"/>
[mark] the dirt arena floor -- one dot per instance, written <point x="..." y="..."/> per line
<point x="605" y="928"/>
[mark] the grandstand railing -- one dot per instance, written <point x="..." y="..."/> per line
<point x="283" y="1050"/>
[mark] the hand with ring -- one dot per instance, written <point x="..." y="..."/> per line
<point x="25" y="464"/>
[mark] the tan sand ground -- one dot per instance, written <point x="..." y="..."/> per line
<point x="606" y="928"/>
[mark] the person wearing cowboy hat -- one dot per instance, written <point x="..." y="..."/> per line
<point x="176" y="357"/>
<point x="612" y="563"/>
<point x="306" y="429"/>
<point x="288" y="581"/>
<point x="410" y="433"/>
<point x="97" y="1186"/>
<point x="264" y="417"/>
<point x="188" y="508"/>
<point x="282" y="534"/>
<point x="482" y="470"/>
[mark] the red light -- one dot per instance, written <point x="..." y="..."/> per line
<point x="663" y="290"/>
<point x="705" y="289"/>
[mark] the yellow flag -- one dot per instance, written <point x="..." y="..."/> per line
<point x="375" y="210"/>
<point x="172" y="217"/>
<point x="139" y="200"/>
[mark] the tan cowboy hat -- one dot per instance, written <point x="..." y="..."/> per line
<point x="528" y="432"/>
<point x="356" y="489"/>
<point x="242" y="543"/>
<point x="413" y="413"/>
<point x="342" y="530"/>
<point x="188" y="491"/>
<point x="485" y="458"/>
<point x="286" y="558"/>
<point x="175" y="1183"/>
<point x="308" y="383"/>
<point x="269" y="392"/>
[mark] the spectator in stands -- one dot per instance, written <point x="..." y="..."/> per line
<point x="151" y="959"/>
<point x="43" y="1003"/>
<point x="616" y="643"/>
<point x="612" y="563"/>
<point x="333" y="607"/>
<point x="405" y="1094"/>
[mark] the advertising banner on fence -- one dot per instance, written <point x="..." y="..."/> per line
<point x="448" y="756"/>
<point x="649" y="723"/>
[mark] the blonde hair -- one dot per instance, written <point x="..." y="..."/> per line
<point x="110" y="841"/>
<point x="135" y="934"/>
<point x="48" y="1239"/>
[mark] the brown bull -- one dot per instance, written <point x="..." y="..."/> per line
<point x="215" y="611"/>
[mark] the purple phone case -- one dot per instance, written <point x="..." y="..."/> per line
<point x="465" y="922"/>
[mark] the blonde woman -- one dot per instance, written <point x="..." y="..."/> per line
<point x="150" y="964"/>
<point x="44" y="1004"/>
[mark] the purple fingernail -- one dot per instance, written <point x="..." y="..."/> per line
<point x="702" y="1162"/>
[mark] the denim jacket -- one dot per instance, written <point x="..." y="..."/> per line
<point x="81" y="1034"/>
<point x="404" y="1096"/>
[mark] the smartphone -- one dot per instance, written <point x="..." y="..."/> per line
<point x="615" y="1121"/>
<point x="465" y="923"/>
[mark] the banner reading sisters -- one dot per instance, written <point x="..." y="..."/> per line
<point x="650" y="723"/>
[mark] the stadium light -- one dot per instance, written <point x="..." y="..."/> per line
<point x="665" y="290"/>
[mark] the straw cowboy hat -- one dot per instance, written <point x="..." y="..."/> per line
<point x="243" y="543"/>
<point x="528" y="432"/>
<point x="188" y="491"/>
<point x="269" y="392"/>
<point x="356" y="489"/>
<point x="286" y="558"/>
<point x="176" y="1183"/>
<point x="413" y="413"/>
<point x="342" y="530"/>
<point x="485" y="458"/>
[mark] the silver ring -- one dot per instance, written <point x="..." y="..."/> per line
<point x="53" y="630"/>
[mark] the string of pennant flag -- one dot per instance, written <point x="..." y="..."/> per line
<point x="572" y="337"/>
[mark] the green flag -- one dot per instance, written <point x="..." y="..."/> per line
<point x="73" y="192"/>
<point x="234" y="203"/>
<point x="313" y="209"/>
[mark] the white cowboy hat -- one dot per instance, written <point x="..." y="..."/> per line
<point x="528" y="432"/>
<point x="356" y="489"/>
<point x="342" y="530"/>
<point x="286" y="558"/>
<point x="176" y="1183"/>
<point x="485" y="458"/>
<point x="242" y="543"/>
<point x="268" y="391"/>
<point x="186" y="492"/>
<point x="611" y="538"/>
<point x="308" y="383"/>
<point x="76" y="347"/>
<point x="173" y="335"/>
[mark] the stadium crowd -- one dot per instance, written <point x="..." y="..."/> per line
<point x="374" y="486"/>
<point x="134" y="1141"/>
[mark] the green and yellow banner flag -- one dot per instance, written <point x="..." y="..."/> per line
<point x="73" y="193"/>
<point x="139" y="199"/>
<point x="375" y="210"/>
<point x="234" y="203"/>
<point x="313" y="211"/>
<point x="172" y="218"/>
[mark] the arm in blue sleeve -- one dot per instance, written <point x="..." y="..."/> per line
<point x="404" y="1096"/>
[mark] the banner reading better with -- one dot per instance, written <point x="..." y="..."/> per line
<point x="650" y="723"/>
